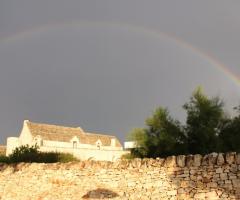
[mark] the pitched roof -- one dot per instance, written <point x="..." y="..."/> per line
<point x="2" y="150"/>
<point x="65" y="134"/>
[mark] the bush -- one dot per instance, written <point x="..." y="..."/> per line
<point x="52" y="157"/>
<point x="31" y="154"/>
<point x="25" y="154"/>
<point x="128" y="156"/>
<point x="66" y="157"/>
<point x="4" y="159"/>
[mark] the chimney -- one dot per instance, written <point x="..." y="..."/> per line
<point x="81" y="130"/>
<point x="26" y="121"/>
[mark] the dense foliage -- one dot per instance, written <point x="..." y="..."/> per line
<point x="31" y="154"/>
<point x="4" y="159"/>
<point x="207" y="129"/>
<point x="204" y="118"/>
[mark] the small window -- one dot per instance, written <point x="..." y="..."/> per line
<point x="74" y="144"/>
<point x="98" y="145"/>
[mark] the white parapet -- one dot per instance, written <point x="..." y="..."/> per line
<point x="12" y="143"/>
<point x="130" y="145"/>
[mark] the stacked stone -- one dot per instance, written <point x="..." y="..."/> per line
<point x="214" y="176"/>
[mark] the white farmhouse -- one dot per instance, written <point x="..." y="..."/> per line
<point x="53" y="138"/>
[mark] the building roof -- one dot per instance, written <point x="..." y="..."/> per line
<point x="65" y="134"/>
<point x="2" y="150"/>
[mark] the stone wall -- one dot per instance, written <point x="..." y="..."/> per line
<point x="215" y="176"/>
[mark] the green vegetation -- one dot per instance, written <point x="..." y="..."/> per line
<point x="229" y="135"/>
<point x="207" y="129"/>
<point x="204" y="118"/>
<point x="4" y="159"/>
<point x="127" y="156"/>
<point x="31" y="154"/>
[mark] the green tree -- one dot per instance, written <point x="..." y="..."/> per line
<point x="229" y="135"/>
<point x="140" y="137"/>
<point x="204" y="118"/>
<point x="207" y="129"/>
<point x="162" y="137"/>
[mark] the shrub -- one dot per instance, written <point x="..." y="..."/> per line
<point x="31" y="154"/>
<point x="24" y="154"/>
<point x="66" y="157"/>
<point x="52" y="157"/>
<point x="128" y="156"/>
<point x="4" y="159"/>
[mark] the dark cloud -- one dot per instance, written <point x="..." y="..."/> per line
<point x="110" y="78"/>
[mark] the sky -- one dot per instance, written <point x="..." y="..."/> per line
<point x="106" y="65"/>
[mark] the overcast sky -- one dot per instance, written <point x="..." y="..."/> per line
<point x="106" y="65"/>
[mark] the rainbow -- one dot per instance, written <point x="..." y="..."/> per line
<point x="144" y="30"/>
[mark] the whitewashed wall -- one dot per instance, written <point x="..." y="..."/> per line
<point x="85" y="153"/>
<point x="12" y="143"/>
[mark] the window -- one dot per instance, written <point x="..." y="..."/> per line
<point x="98" y="145"/>
<point x="74" y="144"/>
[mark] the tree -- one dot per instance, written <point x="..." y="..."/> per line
<point x="207" y="129"/>
<point x="229" y="135"/>
<point x="140" y="137"/>
<point x="162" y="137"/>
<point x="204" y="118"/>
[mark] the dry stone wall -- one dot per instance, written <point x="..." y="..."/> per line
<point x="215" y="176"/>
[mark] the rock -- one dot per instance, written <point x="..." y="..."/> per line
<point x="223" y="176"/>
<point x="189" y="161"/>
<point x="212" y="158"/>
<point x="212" y="195"/>
<point x="199" y="196"/>
<point x="236" y="183"/>
<point x="238" y="159"/>
<point x="220" y="159"/>
<point x="170" y="161"/>
<point x="159" y="161"/>
<point x="233" y="168"/>
<point x="181" y="160"/>
<point x="172" y="192"/>
<point x="136" y="163"/>
<point x="205" y="160"/>
<point x="219" y="170"/>
<point x="197" y="159"/>
<point x="230" y="157"/>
